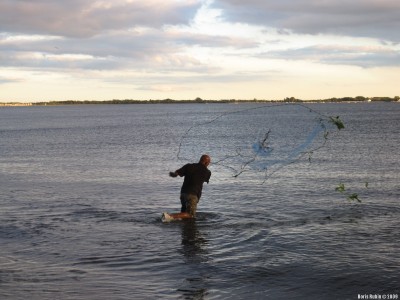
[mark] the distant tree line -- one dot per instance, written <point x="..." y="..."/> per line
<point x="200" y="100"/>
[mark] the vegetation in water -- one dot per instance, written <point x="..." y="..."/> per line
<point x="350" y="196"/>
<point x="339" y="124"/>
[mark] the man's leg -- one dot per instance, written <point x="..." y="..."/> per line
<point x="183" y="203"/>
<point x="191" y="204"/>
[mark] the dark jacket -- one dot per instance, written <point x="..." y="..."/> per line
<point x="195" y="175"/>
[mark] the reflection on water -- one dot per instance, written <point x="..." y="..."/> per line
<point x="194" y="250"/>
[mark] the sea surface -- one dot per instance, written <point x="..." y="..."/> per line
<point x="82" y="189"/>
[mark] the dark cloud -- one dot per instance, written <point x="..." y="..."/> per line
<point x="86" y="18"/>
<point x="364" y="18"/>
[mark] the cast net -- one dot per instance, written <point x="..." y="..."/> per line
<point x="259" y="139"/>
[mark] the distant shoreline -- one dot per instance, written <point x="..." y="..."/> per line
<point x="199" y="100"/>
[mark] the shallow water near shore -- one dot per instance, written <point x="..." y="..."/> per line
<point x="83" y="188"/>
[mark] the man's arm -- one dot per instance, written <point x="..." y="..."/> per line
<point x="180" y="172"/>
<point x="209" y="176"/>
<point x="173" y="174"/>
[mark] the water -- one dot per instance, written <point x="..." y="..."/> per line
<point x="83" y="188"/>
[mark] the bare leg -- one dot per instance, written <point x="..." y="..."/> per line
<point x="182" y="215"/>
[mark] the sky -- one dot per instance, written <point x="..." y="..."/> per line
<point x="52" y="50"/>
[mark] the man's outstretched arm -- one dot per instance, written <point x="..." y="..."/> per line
<point x="173" y="174"/>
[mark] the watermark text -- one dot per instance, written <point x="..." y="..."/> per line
<point x="378" y="296"/>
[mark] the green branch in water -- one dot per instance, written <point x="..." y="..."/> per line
<point x="340" y="188"/>
<point x="339" y="123"/>
<point x="351" y="197"/>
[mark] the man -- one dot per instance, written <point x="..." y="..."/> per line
<point x="195" y="175"/>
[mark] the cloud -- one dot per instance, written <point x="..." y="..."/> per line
<point x="361" y="56"/>
<point x="160" y="36"/>
<point x="87" y="18"/>
<point x="164" y="49"/>
<point x="362" y="18"/>
<point x="4" y="80"/>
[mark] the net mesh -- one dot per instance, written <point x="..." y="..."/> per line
<point x="259" y="139"/>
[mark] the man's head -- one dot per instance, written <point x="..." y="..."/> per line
<point x="205" y="160"/>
